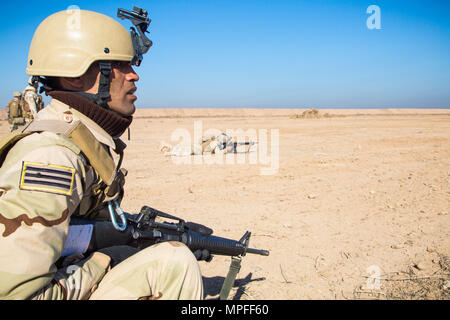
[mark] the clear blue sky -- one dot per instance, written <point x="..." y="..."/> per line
<point x="267" y="53"/>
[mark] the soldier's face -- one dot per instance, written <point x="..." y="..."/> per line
<point x="122" y="88"/>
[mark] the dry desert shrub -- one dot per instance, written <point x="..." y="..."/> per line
<point x="314" y="114"/>
<point x="308" y="114"/>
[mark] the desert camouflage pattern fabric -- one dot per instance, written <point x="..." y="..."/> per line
<point x="44" y="181"/>
<point x="14" y="114"/>
<point x="31" y="102"/>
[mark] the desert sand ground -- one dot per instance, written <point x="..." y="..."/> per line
<point x="358" y="194"/>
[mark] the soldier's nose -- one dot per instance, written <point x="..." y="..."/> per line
<point x="132" y="76"/>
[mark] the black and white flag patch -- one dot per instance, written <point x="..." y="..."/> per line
<point x="47" y="178"/>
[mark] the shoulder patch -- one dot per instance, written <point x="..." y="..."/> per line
<point x="47" y="178"/>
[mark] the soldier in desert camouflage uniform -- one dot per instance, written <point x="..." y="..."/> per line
<point x="14" y="112"/>
<point x="61" y="166"/>
<point x="31" y="102"/>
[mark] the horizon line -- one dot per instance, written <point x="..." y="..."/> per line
<point x="312" y="107"/>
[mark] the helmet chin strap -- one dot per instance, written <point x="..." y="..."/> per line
<point x="102" y="96"/>
<point x="103" y="86"/>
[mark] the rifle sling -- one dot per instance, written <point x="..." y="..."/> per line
<point x="235" y="266"/>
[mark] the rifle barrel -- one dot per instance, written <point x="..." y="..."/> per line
<point x="218" y="245"/>
<point x="257" y="251"/>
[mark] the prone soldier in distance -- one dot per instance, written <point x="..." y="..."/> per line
<point x="211" y="144"/>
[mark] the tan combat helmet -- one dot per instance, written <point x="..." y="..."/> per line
<point x="66" y="43"/>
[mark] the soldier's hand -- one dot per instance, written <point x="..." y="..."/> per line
<point x="203" y="255"/>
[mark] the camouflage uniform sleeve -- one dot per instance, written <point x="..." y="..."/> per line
<point x="31" y="99"/>
<point x="42" y="182"/>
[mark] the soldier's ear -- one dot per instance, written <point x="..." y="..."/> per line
<point x="88" y="82"/>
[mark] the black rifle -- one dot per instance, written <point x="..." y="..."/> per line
<point x="199" y="238"/>
<point x="143" y="230"/>
<point x="147" y="231"/>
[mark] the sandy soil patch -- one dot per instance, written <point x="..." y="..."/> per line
<point x="357" y="209"/>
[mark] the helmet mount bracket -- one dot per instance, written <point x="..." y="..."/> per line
<point x="141" y="44"/>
